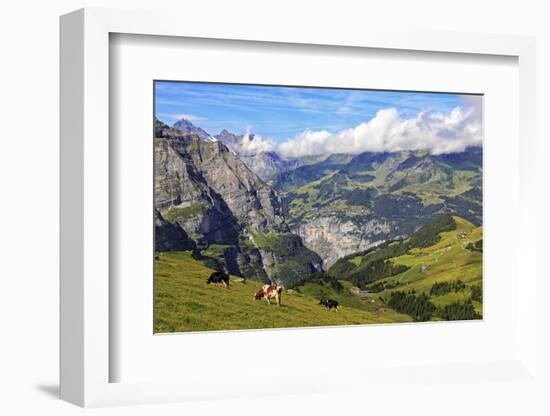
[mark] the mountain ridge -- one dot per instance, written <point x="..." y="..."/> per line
<point x="186" y="126"/>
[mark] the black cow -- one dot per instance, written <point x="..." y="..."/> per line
<point x="329" y="304"/>
<point x="219" y="277"/>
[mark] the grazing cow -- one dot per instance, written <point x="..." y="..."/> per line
<point x="219" y="277"/>
<point x="329" y="304"/>
<point x="269" y="292"/>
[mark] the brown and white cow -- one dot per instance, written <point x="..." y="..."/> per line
<point x="270" y="292"/>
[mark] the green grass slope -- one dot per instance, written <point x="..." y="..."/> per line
<point x="184" y="302"/>
<point x="449" y="260"/>
<point x="371" y="304"/>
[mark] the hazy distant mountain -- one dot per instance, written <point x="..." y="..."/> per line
<point x="232" y="141"/>
<point x="268" y="165"/>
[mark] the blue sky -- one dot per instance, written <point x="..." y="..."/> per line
<point x="280" y="113"/>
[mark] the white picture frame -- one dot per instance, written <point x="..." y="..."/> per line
<point x="85" y="210"/>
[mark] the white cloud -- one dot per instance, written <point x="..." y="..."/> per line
<point x="435" y="132"/>
<point x="306" y="143"/>
<point x="188" y="117"/>
<point x="253" y="143"/>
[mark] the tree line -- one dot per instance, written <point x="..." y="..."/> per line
<point x="417" y="307"/>
<point x="442" y="288"/>
<point x="459" y="311"/>
<point x="421" y="309"/>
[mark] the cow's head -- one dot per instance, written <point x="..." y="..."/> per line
<point x="259" y="295"/>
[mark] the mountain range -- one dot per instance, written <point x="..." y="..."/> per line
<point x="349" y="203"/>
<point x="259" y="215"/>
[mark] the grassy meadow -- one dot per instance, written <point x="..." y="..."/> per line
<point x="184" y="302"/>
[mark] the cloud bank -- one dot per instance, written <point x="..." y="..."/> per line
<point x="435" y="132"/>
<point x="251" y="144"/>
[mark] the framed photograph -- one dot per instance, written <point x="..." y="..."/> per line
<point x="375" y="213"/>
<point x="231" y="200"/>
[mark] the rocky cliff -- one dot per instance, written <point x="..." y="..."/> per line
<point x="222" y="206"/>
<point x="333" y="237"/>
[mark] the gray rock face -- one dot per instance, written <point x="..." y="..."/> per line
<point x="210" y="191"/>
<point x="333" y="237"/>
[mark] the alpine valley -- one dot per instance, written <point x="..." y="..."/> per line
<point x="335" y="205"/>
<point x="389" y="223"/>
